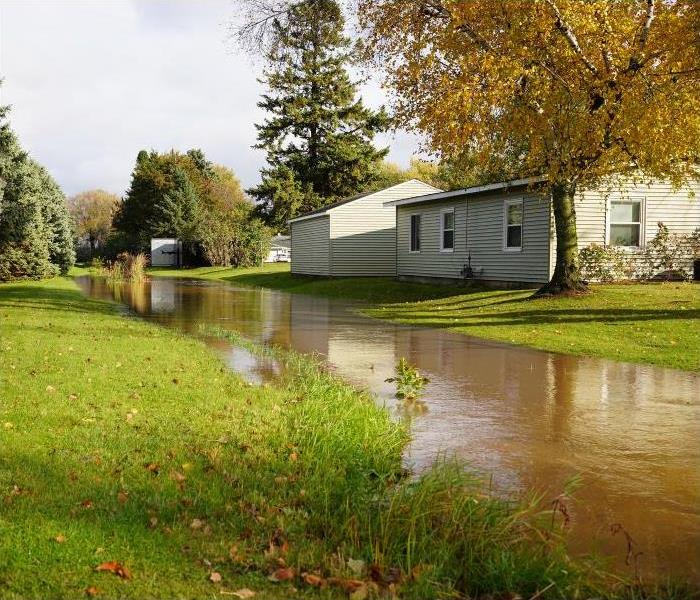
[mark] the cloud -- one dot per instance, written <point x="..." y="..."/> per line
<point x="92" y="83"/>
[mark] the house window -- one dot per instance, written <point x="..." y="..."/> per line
<point x="513" y="225"/>
<point x="626" y="223"/>
<point x="447" y="230"/>
<point x="415" y="233"/>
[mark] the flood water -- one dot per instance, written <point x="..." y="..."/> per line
<point x="524" y="418"/>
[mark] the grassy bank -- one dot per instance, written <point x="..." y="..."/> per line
<point x="129" y="447"/>
<point x="645" y="323"/>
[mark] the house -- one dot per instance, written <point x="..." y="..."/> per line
<point x="503" y="233"/>
<point x="280" y="249"/>
<point x="353" y="237"/>
<point x="166" y="252"/>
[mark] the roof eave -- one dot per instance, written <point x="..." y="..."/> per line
<point x="479" y="189"/>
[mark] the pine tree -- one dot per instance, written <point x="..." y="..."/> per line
<point x="318" y="136"/>
<point x="36" y="238"/>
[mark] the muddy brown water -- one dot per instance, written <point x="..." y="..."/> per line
<point x="523" y="418"/>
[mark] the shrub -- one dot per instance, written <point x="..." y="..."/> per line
<point x="605" y="263"/>
<point x="668" y="254"/>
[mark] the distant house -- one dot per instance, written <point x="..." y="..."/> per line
<point x="353" y="237"/>
<point x="166" y="252"/>
<point x="280" y="249"/>
<point x="505" y="233"/>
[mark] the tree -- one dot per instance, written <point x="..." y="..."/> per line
<point x="231" y="235"/>
<point x="36" y="239"/>
<point x="587" y="90"/>
<point x="163" y="198"/>
<point x="92" y="213"/>
<point x="187" y="197"/>
<point x="317" y="136"/>
<point x="444" y="175"/>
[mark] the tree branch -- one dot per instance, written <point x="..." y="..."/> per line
<point x="570" y="36"/>
<point x="637" y="60"/>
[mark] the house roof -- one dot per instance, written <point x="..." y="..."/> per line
<point x="281" y="241"/>
<point x="477" y="189"/>
<point x="324" y="209"/>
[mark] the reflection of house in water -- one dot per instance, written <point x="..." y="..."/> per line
<point x="163" y="292"/>
<point x="309" y="323"/>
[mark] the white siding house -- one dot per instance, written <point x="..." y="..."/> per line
<point x="353" y="237"/>
<point x="505" y="231"/>
<point x="280" y="249"/>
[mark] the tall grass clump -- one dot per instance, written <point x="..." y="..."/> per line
<point x="440" y="533"/>
<point x="127" y="267"/>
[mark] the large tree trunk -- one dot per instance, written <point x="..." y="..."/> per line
<point x="566" y="277"/>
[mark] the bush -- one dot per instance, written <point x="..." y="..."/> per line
<point x="669" y="254"/>
<point x="605" y="263"/>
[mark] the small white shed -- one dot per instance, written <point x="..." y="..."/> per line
<point x="353" y="237"/>
<point x="166" y="252"/>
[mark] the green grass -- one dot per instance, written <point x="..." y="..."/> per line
<point x="123" y="441"/>
<point x="653" y="323"/>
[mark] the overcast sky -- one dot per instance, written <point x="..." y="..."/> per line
<point x="91" y="82"/>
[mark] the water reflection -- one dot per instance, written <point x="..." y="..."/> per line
<point x="526" y="418"/>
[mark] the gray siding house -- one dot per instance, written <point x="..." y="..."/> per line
<point x="353" y="237"/>
<point x="505" y="231"/>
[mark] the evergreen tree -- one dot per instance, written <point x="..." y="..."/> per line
<point x="36" y="238"/>
<point x="163" y="198"/>
<point x="318" y="136"/>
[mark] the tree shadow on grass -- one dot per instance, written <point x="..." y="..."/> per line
<point x="39" y="297"/>
<point x="543" y="317"/>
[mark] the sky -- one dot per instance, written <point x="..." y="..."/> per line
<point x="92" y="82"/>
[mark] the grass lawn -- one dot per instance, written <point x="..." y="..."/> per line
<point x="647" y="323"/>
<point x="129" y="446"/>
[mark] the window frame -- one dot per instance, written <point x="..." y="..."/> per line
<point x="508" y="202"/>
<point x="641" y="223"/>
<point x="410" y="233"/>
<point x="444" y="212"/>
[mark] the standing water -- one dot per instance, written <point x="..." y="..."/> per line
<point x="525" y="418"/>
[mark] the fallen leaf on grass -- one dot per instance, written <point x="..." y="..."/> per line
<point x="244" y="593"/>
<point x="153" y="468"/>
<point x="92" y="591"/>
<point x="86" y="504"/>
<point x="177" y="476"/>
<point x="122" y="496"/>
<point x="196" y="524"/>
<point x="114" y="567"/>
<point x="60" y="538"/>
<point x="313" y="580"/>
<point x="215" y="577"/>
<point x="349" y="585"/>
<point x="282" y="574"/>
<point x="50" y="389"/>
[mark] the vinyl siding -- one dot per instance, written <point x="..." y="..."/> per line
<point x="310" y="246"/>
<point x="430" y="262"/>
<point x="679" y="212"/>
<point x="479" y="225"/>
<point x="485" y="232"/>
<point x="363" y="232"/>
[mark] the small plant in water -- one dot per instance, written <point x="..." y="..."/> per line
<point x="409" y="381"/>
<point x="127" y="267"/>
